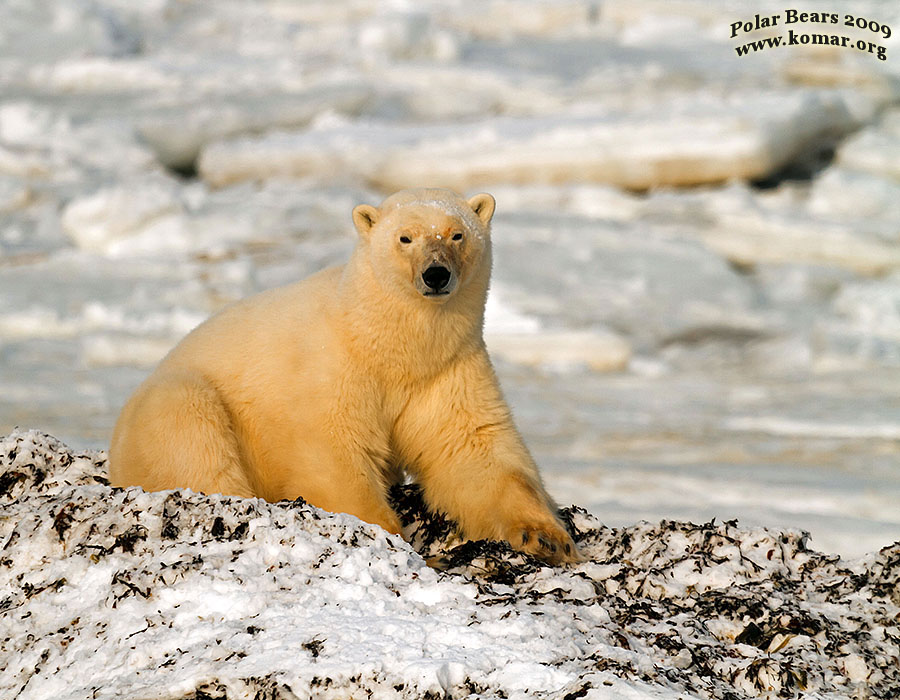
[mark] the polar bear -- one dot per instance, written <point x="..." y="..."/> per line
<point x="334" y="387"/>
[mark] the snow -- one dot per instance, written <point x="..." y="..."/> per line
<point x="598" y="350"/>
<point x="875" y="149"/>
<point x="175" y="594"/>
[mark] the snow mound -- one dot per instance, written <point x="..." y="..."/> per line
<point x="110" y="593"/>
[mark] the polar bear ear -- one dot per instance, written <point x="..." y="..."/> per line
<point x="364" y="218"/>
<point x="483" y="205"/>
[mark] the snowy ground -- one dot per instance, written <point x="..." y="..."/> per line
<point x="696" y="309"/>
<point x="112" y="593"/>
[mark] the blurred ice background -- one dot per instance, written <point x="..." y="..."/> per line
<point x="696" y="305"/>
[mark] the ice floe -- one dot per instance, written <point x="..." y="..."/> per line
<point x="688" y="141"/>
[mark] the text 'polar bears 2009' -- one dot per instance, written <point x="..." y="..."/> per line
<point x="870" y="28"/>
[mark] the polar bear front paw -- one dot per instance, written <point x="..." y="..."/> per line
<point x="551" y="544"/>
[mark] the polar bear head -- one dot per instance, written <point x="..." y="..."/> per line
<point x="429" y="243"/>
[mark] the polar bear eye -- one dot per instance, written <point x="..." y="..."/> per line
<point x="405" y="239"/>
<point x="457" y="236"/>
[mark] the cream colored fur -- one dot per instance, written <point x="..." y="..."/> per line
<point x="332" y="387"/>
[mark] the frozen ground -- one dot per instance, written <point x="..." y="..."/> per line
<point x="696" y="309"/>
<point x="110" y="593"/>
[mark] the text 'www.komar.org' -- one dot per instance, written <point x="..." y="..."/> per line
<point x="811" y="38"/>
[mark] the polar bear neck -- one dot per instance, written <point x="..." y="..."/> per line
<point x="413" y="337"/>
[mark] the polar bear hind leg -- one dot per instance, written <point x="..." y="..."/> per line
<point x="176" y="432"/>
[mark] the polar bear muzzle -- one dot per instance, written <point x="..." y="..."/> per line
<point x="437" y="280"/>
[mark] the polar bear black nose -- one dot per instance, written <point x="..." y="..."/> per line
<point x="436" y="277"/>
